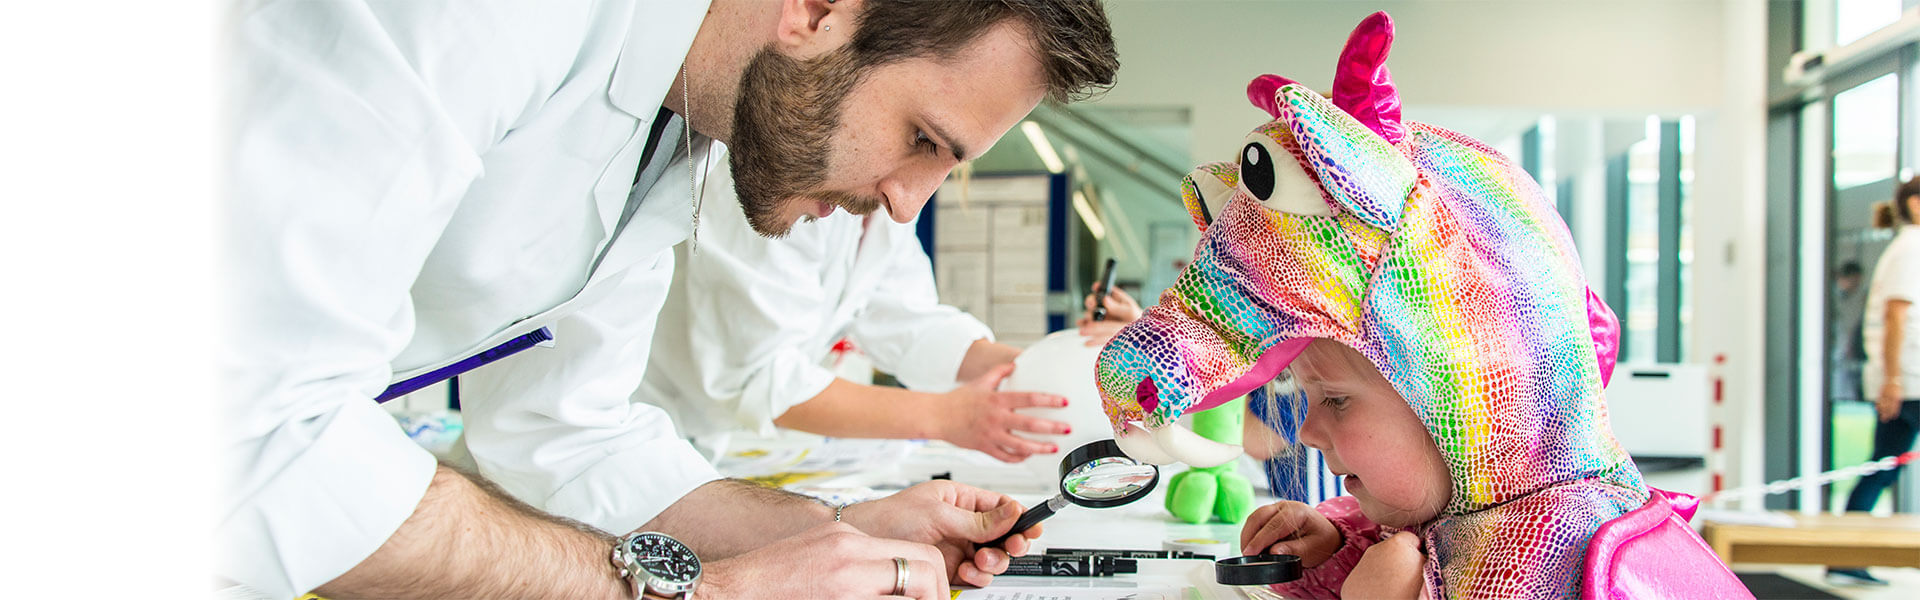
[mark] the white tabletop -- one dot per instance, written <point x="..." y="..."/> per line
<point x="1142" y="525"/>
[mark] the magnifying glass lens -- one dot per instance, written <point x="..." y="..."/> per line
<point x="1096" y="475"/>
<point x="1108" y="479"/>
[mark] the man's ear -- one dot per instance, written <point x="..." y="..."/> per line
<point x="810" y="28"/>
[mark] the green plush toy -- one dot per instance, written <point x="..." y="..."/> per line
<point x="1194" y="495"/>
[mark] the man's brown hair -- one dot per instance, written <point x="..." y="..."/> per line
<point x="1073" y="38"/>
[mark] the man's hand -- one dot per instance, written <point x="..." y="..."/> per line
<point x="979" y="416"/>
<point x="953" y="517"/>
<point x="1888" y="402"/>
<point x="834" y="560"/>
<point x="1389" y="569"/>
<point x="1290" y="528"/>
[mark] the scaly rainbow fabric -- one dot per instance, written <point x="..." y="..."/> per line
<point x="1438" y="259"/>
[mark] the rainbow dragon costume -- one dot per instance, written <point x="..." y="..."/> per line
<point x="1439" y="260"/>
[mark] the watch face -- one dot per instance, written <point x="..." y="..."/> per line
<point x="665" y="558"/>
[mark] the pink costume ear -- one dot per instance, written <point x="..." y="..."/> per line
<point x="1361" y="84"/>
<point x="1261" y="92"/>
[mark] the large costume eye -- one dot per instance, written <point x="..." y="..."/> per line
<point x="1256" y="171"/>
<point x="1275" y="178"/>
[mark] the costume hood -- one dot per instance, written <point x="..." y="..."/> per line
<point x="1430" y="253"/>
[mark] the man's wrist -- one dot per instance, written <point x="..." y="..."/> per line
<point x="844" y="513"/>
<point x="817" y="511"/>
<point x="716" y="581"/>
<point x="622" y="585"/>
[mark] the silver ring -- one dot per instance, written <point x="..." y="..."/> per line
<point x="900" y="573"/>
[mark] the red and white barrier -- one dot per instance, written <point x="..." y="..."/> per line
<point x="1755" y="492"/>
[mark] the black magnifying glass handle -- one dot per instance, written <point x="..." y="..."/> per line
<point x="1106" y="287"/>
<point x="1032" y="517"/>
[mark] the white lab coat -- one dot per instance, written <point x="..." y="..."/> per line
<point x="744" y="334"/>
<point x="412" y="182"/>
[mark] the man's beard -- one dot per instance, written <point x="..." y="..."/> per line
<point x="783" y="125"/>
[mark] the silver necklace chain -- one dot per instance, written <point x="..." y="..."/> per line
<point x="693" y="180"/>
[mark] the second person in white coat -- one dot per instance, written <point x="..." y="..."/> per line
<point x="745" y="333"/>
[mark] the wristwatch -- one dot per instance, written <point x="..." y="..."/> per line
<point x="656" y="563"/>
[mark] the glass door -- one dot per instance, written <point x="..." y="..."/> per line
<point x="1864" y="158"/>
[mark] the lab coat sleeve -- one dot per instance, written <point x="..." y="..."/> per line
<point x="554" y="426"/>
<point x="356" y="128"/>
<point x="750" y="306"/>
<point x="905" y="328"/>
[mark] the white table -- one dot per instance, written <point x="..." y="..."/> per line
<point x="1142" y="525"/>
<point x="1138" y="526"/>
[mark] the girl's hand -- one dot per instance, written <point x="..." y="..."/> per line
<point x="1290" y="528"/>
<point x="1389" y="569"/>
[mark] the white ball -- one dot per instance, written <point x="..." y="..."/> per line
<point x="1061" y="364"/>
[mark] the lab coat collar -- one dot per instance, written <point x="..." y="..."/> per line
<point x="875" y="242"/>
<point x="661" y="32"/>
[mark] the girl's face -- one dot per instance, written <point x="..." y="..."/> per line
<point x="1370" y="436"/>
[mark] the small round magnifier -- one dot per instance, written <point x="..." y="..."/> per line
<point x="1257" y="569"/>
<point x="1096" y="475"/>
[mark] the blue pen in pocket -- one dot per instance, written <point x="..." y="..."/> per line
<point x="505" y="349"/>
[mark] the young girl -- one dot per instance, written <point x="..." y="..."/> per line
<point x="1380" y="541"/>
<point x="1433" y="309"/>
<point x="1398" y="480"/>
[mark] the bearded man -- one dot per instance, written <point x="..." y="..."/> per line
<point x="431" y="188"/>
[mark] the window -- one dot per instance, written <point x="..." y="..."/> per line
<point x="1865" y="158"/>
<point x="1641" y="319"/>
<point x="1685" y="293"/>
<point x="1854" y="19"/>
<point x="1650" y="241"/>
<point x="1866" y="132"/>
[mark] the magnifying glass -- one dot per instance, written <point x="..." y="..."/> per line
<point x="1096" y="475"/>
<point x="1257" y="569"/>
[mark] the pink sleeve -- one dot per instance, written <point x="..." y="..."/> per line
<point x="1356" y="535"/>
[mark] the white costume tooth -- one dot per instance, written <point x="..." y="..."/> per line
<point x="1189" y="447"/>
<point x="1141" y="445"/>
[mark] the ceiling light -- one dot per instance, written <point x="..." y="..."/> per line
<point x="1042" y="147"/>
<point x="1094" y="226"/>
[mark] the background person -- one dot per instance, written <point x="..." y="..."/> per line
<point x="751" y="320"/>
<point x="1121" y="310"/>
<point x="1848" y="351"/>
<point x="1892" y="344"/>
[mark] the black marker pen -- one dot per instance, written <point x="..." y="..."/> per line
<point x="1127" y="553"/>
<point x="1071" y="566"/>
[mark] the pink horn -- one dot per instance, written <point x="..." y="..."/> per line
<point x="1261" y="91"/>
<point x="1361" y="84"/>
